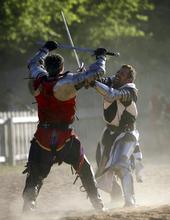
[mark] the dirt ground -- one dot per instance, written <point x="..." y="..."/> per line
<point x="61" y="199"/>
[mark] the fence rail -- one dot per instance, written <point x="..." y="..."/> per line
<point x="17" y="129"/>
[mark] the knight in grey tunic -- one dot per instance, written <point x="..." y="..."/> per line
<point x="120" y="137"/>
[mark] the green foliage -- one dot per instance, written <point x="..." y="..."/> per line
<point x="24" y="22"/>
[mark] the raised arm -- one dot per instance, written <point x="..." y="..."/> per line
<point x="37" y="71"/>
<point x="66" y="87"/>
<point x="36" y="63"/>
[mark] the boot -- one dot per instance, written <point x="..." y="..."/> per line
<point x="29" y="206"/>
<point x="89" y="183"/>
<point x="30" y="194"/>
<point x="128" y="190"/>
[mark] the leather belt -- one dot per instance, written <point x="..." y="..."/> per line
<point x="62" y="126"/>
<point x="126" y="127"/>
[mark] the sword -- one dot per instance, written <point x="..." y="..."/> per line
<point x="81" y="49"/>
<point x="71" y="41"/>
<point x="75" y="49"/>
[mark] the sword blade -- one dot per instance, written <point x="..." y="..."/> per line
<point x="71" y="41"/>
<point x="82" y="49"/>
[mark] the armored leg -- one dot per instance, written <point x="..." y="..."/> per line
<point x="127" y="186"/>
<point x="116" y="192"/>
<point x="123" y="151"/>
<point x="109" y="184"/>
<point x="89" y="183"/>
<point x="32" y="187"/>
<point x="38" y="167"/>
<point x="73" y="154"/>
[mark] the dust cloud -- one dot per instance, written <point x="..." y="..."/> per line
<point x="60" y="199"/>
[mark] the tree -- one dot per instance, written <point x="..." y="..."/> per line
<point x="24" y="22"/>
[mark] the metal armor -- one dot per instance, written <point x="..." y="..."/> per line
<point x="66" y="87"/>
<point x="120" y="114"/>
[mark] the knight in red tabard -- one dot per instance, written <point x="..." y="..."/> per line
<point x="55" y="140"/>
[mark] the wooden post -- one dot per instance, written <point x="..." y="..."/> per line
<point x="10" y="141"/>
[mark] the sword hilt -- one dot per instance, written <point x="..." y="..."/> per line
<point x="116" y="54"/>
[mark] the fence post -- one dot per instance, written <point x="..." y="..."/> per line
<point x="2" y="141"/>
<point x="11" y="150"/>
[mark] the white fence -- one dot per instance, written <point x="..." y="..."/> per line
<point x="17" y="129"/>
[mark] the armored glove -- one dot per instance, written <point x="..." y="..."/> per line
<point x="51" y="45"/>
<point x="100" y="52"/>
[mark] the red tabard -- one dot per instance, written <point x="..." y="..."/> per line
<point x="51" y="110"/>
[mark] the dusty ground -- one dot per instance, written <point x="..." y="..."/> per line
<point x="60" y="199"/>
